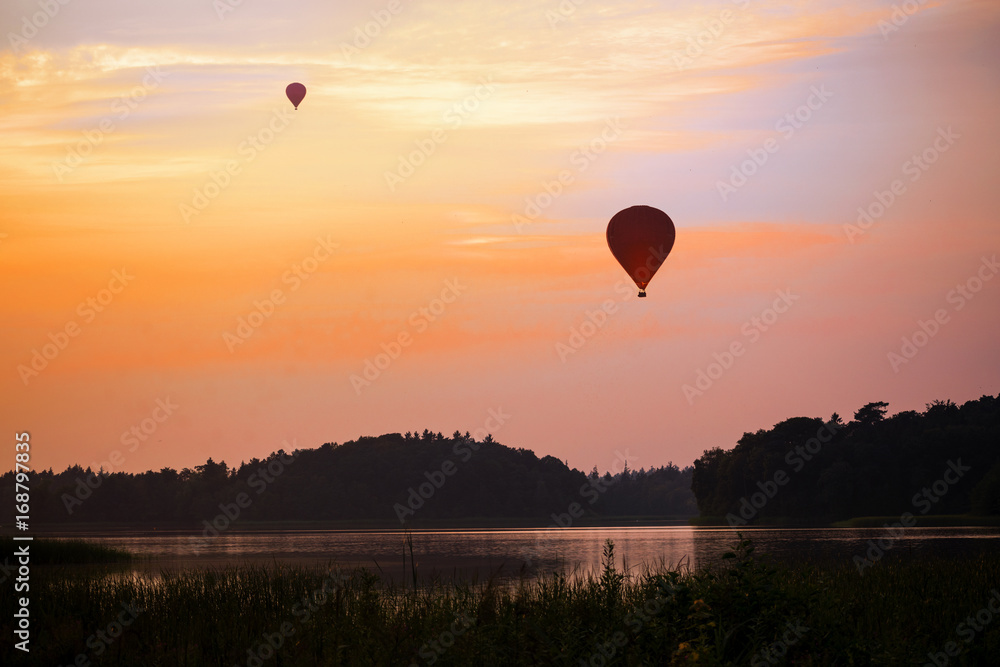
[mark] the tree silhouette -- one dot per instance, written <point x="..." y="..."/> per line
<point x="872" y="466"/>
<point x="871" y="413"/>
<point x="362" y="480"/>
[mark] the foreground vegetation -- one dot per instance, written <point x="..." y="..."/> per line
<point x="47" y="551"/>
<point x="744" y="611"/>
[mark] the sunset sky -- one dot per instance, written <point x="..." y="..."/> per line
<point x="157" y="189"/>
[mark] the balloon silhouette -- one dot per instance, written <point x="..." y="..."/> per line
<point x="640" y="238"/>
<point x="295" y="93"/>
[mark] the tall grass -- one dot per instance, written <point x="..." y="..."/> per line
<point x="724" y="615"/>
<point x="45" y="551"/>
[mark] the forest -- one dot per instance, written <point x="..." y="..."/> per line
<point x="391" y="479"/>
<point x="944" y="460"/>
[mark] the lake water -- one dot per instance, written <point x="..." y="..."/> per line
<point x="510" y="551"/>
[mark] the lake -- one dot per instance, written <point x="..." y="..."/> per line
<point x="531" y="551"/>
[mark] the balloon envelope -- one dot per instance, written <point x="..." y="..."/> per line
<point x="640" y="238"/>
<point x="295" y="93"/>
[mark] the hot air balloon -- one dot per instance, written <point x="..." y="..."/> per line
<point x="295" y="93"/>
<point x="640" y="238"/>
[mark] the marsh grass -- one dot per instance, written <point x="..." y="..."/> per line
<point x="721" y="615"/>
<point x="46" y="551"/>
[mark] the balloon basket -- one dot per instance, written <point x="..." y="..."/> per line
<point x="642" y="293"/>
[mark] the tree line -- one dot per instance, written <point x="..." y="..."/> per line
<point x="944" y="460"/>
<point x="390" y="478"/>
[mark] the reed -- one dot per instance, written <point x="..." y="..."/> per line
<point x="46" y="551"/>
<point x="727" y="614"/>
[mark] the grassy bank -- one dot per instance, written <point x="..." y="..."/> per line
<point x="932" y="521"/>
<point x="895" y="614"/>
<point x="65" y="552"/>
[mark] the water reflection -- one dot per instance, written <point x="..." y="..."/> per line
<point x="526" y="552"/>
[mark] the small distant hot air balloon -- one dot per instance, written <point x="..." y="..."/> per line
<point x="640" y="238"/>
<point x="295" y="93"/>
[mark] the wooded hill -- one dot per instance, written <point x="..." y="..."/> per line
<point x="944" y="460"/>
<point x="390" y="478"/>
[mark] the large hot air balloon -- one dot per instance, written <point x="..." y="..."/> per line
<point x="640" y="238"/>
<point x="295" y="93"/>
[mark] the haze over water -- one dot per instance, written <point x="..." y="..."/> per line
<point x="517" y="552"/>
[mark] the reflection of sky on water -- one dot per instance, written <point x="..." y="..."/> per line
<point x="572" y="550"/>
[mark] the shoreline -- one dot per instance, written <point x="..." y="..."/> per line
<point x="493" y="523"/>
<point x="931" y="521"/>
<point x="490" y="523"/>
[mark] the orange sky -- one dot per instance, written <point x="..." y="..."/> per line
<point x="152" y="165"/>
